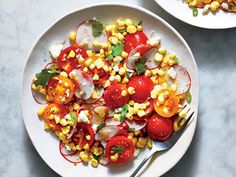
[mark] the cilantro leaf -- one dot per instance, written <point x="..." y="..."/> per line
<point x="97" y="28"/>
<point x="109" y="57"/>
<point x="131" y="129"/>
<point x="118" y="149"/>
<point x="140" y="67"/>
<point x="117" y="49"/>
<point x="121" y="31"/>
<point x="123" y="112"/>
<point x="96" y="156"/>
<point x="44" y="76"/>
<point x="73" y="117"/>
<point x="195" y="12"/>
<point x="101" y="125"/>
<point x="188" y="97"/>
<point x="140" y="22"/>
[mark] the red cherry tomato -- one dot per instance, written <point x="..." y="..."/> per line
<point x="121" y="145"/>
<point x="52" y="110"/>
<point x="68" y="63"/>
<point x="79" y="137"/>
<point x="113" y="97"/>
<point x="60" y="89"/>
<point x="143" y="86"/>
<point x="134" y="40"/>
<point x="159" y="128"/>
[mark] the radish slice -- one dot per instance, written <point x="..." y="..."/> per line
<point x="135" y="124"/>
<point x="85" y="38"/>
<point x="55" y="49"/>
<point x="65" y="151"/>
<point x="38" y="97"/>
<point x="101" y="110"/>
<point x="112" y="121"/>
<point x="85" y="82"/>
<point x="135" y="55"/>
<point x="149" y="56"/>
<point x="70" y="156"/>
<point x="103" y="161"/>
<point x="96" y="119"/>
<point x="183" y="79"/>
<point x="72" y="131"/>
<point x="99" y="92"/>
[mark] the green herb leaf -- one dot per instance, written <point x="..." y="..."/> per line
<point x="117" y="49"/>
<point x="44" y="76"/>
<point x="118" y="149"/>
<point x="96" y="156"/>
<point x="188" y="97"/>
<point x="73" y="117"/>
<point x="122" y="31"/>
<point x="109" y="57"/>
<point x="97" y="28"/>
<point x="195" y="12"/>
<point x="101" y="125"/>
<point x="123" y="112"/>
<point x="140" y="67"/>
<point x="140" y="22"/>
<point x="131" y="129"/>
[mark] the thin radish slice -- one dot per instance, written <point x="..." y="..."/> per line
<point x="135" y="55"/>
<point x="70" y="156"/>
<point x="55" y="49"/>
<point x="101" y="110"/>
<point x="72" y="131"/>
<point x="99" y="92"/>
<point x="183" y="79"/>
<point x="149" y="56"/>
<point x="112" y="121"/>
<point x="96" y="119"/>
<point x="38" y="97"/>
<point x="85" y="82"/>
<point x="85" y="38"/>
<point x="65" y="151"/>
<point x="136" y="124"/>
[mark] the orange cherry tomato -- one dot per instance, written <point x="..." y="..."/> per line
<point x="169" y="108"/>
<point x="52" y="110"/>
<point x="60" y="89"/>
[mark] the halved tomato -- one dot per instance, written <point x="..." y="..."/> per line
<point x="52" y="110"/>
<point x="134" y="40"/>
<point x="80" y="136"/>
<point x="159" y="128"/>
<point x="113" y="97"/>
<point x="70" y="62"/>
<point x="121" y="146"/>
<point x="143" y="86"/>
<point x="169" y="108"/>
<point x="60" y="89"/>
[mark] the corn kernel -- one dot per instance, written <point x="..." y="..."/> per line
<point x="94" y="162"/>
<point x="114" y="157"/>
<point x="162" y="51"/>
<point x="86" y="147"/>
<point x="134" y="140"/>
<point x="113" y="40"/>
<point x="160" y="72"/>
<point x="81" y="60"/>
<point x="120" y="23"/>
<point x="153" y="94"/>
<point x="117" y="59"/>
<point x="41" y="111"/>
<point x="120" y="36"/>
<point x="57" y="119"/>
<point x="34" y="87"/>
<point x="110" y="28"/>
<point x="161" y="99"/>
<point x="42" y="90"/>
<point x="63" y="122"/>
<point x="117" y="116"/>
<point x="95" y="43"/>
<point x="88" y="137"/>
<point x="46" y="127"/>
<point x="72" y="54"/>
<point x="84" y="156"/>
<point x="90" y="53"/>
<point x="128" y="22"/>
<point x="129" y="116"/>
<point x="142" y="106"/>
<point x="92" y="66"/>
<point x="95" y="77"/>
<point x="214" y="5"/>
<point x="131" y="90"/>
<point x="182" y="114"/>
<point x="117" y="78"/>
<point x="141" y="143"/>
<point x="72" y="36"/>
<point x="104" y="45"/>
<point x="136" y="106"/>
<point x="166" y="110"/>
<point x="122" y="71"/>
<point x="76" y="106"/>
<point x="106" y="84"/>
<point x="88" y="62"/>
<point x="141" y="113"/>
<point x="131" y="102"/>
<point x="131" y="29"/>
<point x="125" y="80"/>
<point x="77" y="147"/>
<point x="149" y="143"/>
<point x="193" y="3"/>
<point x="133" y="111"/>
<point x="148" y="73"/>
<point x="123" y="93"/>
<point x="124" y="54"/>
<point x="174" y="87"/>
<point x="158" y="57"/>
<point x="65" y="130"/>
<point x="207" y="1"/>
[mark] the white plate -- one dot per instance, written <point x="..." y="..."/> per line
<point x="47" y="145"/>
<point x="181" y="10"/>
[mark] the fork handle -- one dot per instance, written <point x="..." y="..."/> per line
<point x="149" y="155"/>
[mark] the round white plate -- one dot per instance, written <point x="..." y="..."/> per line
<point x="48" y="146"/>
<point x="181" y="10"/>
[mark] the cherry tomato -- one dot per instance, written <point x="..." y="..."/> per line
<point x="143" y="86"/>
<point x="159" y="128"/>
<point x="121" y="145"/>
<point x="60" y="89"/>
<point x="68" y="63"/>
<point x="134" y="40"/>
<point x="52" y="110"/>
<point x="113" y="97"/>
<point x="171" y="104"/>
<point x="79" y="137"/>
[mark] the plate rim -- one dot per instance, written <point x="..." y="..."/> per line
<point x="192" y="24"/>
<point x="129" y="5"/>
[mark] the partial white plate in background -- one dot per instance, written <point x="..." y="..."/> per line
<point x="181" y="10"/>
<point x="48" y="146"/>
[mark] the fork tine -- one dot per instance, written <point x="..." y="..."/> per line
<point x="186" y="122"/>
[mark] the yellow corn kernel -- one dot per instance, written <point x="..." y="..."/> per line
<point x="125" y="80"/>
<point x="141" y="113"/>
<point x="131" y="90"/>
<point x="120" y="23"/>
<point x="121" y="71"/>
<point x="182" y="114"/>
<point x="193" y="3"/>
<point x="104" y="45"/>
<point x="95" y="77"/>
<point x="88" y="62"/>
<point x="160" y="72"/>
<point x="176" y="126"/>
<point x="88" y="137"/>
<point x="76" y="106"/>
<point x="72" y="54"/>
<point x="95" y="43"/>
<point x="81" y="60"/>
<point x="34" y="87"/>
<point x="90" y="53"/>
<point x="72" y="36"/>
<point x="46" y="127"/>
<point x="99" y="63"/>
<point x="128" y="22"/>
<point x="131" y="29"/>
<point x="214" y="5"/>
<point x="77" y="147"/>
<point x="86" y="147"/>
<point x="63" y="122"/>
<point x="84" y="156"/>
<point x="166" y="110"/>
<point x="141" y="143"/>
<point x="113" y="73"/>
<point x="131" y="102"/>
<point x="149" y="143"/>
<point x="117" y="78"/>
<point x="161" y="99"/>
<point x="162" y="51"/>
<point x="158" y="57"/>
<point x="102" y="51"/>
<point x="42" y="90"/>
<point x="143" y="105"/>
<point x="41" y="111"/>
<point x="154" y="71"/>
<point x="106" y="84"/>
<point x="154" y="79"/>
<point x="148" y="73"/>
<point x="120" y="36"/>
<point x="105" y="68"/>
<point x="129" y="116"/>
<point x="65" y="130"/>
<point x="123" y="93"/>
<point x="207" y="1"/>
<point x="136" y="106"/>
<point x="124" y="54"/>
<point x="57" y="119"/>
<point x="116" y="116"/>
<point x="94" y="163"/>
<point x="139" y="28"/>
<point x="110" y="28"/>
<point x="114" y="157"/>
<point x="113" y="40"/>
<point x="133" y="111"/>
<point x="173" y="87"/>
<point x="72" y="146"/>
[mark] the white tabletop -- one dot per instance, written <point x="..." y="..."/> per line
<point x="212" y="152"/>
